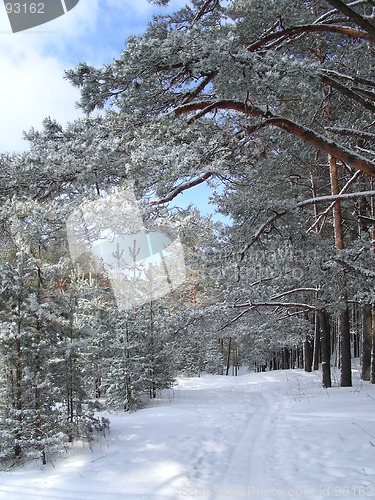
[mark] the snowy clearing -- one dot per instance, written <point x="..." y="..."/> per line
<point x="268" y="435"/>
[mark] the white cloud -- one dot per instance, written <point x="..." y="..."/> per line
<point x="143" y="7"/>
<point x="31" y="89"/>
<point x="138" y="8"/>
<point x="32" y="67"/>
<point x="33" y="62"/>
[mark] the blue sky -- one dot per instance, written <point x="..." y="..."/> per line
<point x="32" y="65"/>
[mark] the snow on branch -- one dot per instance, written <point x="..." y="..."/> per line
<point x="355" y="79"/>
<point x="307" y="135"/>
<point x="328" y="146"/>
<point x="259" y="232"/>
<point x="194" y="93"/>
<point x="233" y="320"/>
<point x="229" y="104"/>
<point x="295" y="290"/>
<point x="349" y="93"/>
<point x="252" y="305"/>
<point x="343" y="190"/>
<point x="367" y="220"/>
<point x="207" y="7"/>
<point x="367" y="136"/>
<point x="182" y="188"/>
<point x="358" y="269"/>
<point x="309" y="28"/>
<point x="335" y="197"/>
<point x="354" y="16"/>
<point x="334" y="11"/>
<point x="342" y="195"/>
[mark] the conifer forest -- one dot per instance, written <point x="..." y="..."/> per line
<point x="268" y="105"/>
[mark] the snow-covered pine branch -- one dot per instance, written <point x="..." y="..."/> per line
<point x="254" y="305"/>
<point x="346" y="196"/>
<point x="313" y="28"/>
<point x="295" y="290"/>
<point x="309" y="136"/>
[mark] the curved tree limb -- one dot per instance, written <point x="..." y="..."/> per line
<point x="264" y="227"/>
<point x="208" y="6"/>
<point x="314" y="139"/>
<point x="309" y="28"/>
<point x="335" y="197"/>
<point x="354" y="16"/>
<point x="260" y="231"/>
<point x="295" y="290"/>
<point x="326" y="212"/>
<point x="307" y="135"/>
<point x="367" y="136"/>
<point x="252" y="305"/>
<point x="326" y="15"/>
<point x="182" y="188"/>
<point x="350" y="93"/>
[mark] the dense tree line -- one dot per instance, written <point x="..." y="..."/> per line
<point x="269" y="103"/>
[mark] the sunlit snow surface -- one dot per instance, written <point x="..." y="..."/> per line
<point x="268" y="435"/>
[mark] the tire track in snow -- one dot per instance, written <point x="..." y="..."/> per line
<point x="246" y="474"/>
<point x="33" y="492"/>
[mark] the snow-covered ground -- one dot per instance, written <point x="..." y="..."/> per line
<point x="267" y="435"/>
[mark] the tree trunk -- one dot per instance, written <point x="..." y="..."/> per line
<point x="18" y="434"/>
<point x="39" y="367"/>
<point x="229" y="354"/>
<point x="345" y="351"/>
<point x="373" y="307"/>
<point x="69" y="375"/>
<point x="373" y="348"/>
<point x="308" y="355"/>
<point x="344" y="323"/>
<point x="19" y="379"/>
<point x="366" y="342"/>
<point x="317" y="351"/>
<point x="325" y="341"/>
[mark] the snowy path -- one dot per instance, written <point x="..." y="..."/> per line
<point x="269" y="435"/>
